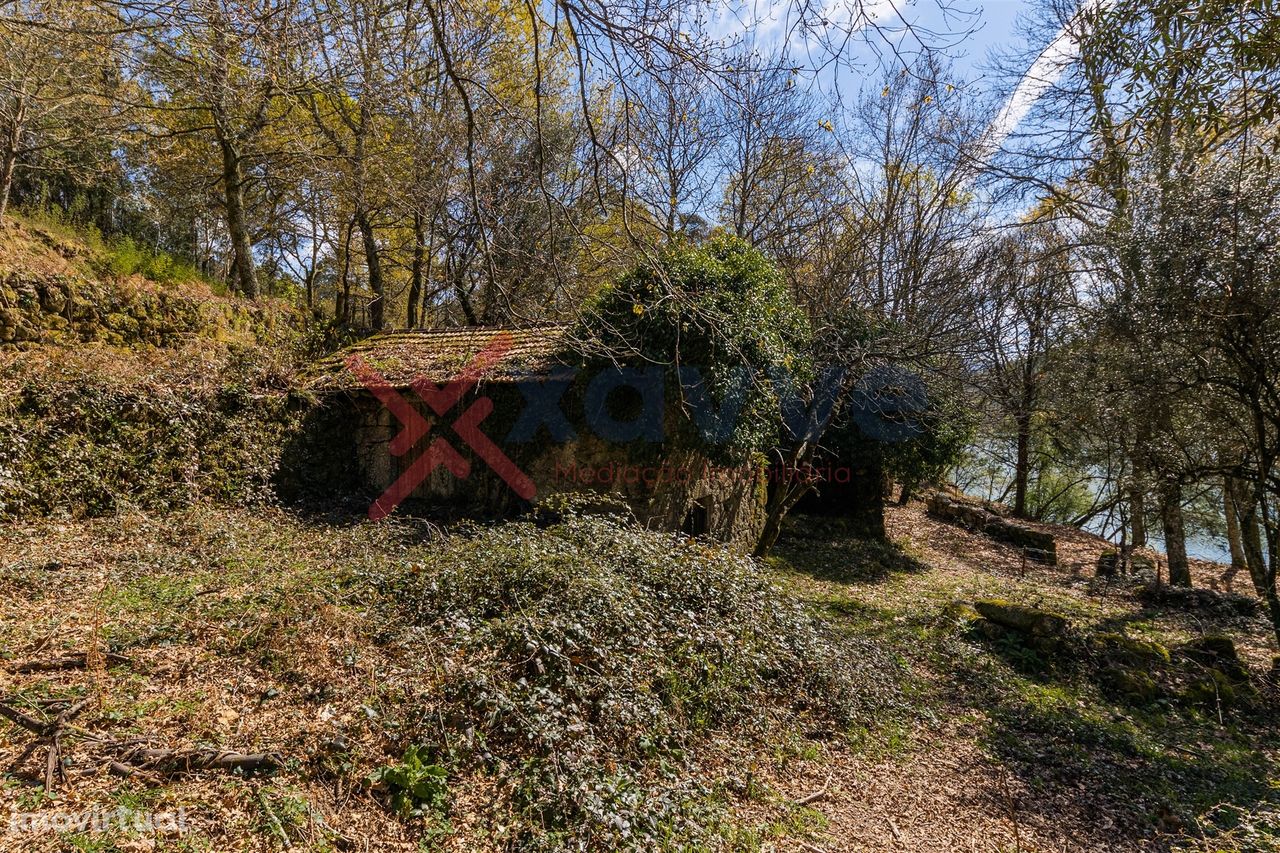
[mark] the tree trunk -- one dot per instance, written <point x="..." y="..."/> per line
<point x="13" y="137"/>
<point x="313" y="269"/>
<point x="1269" y="592"/>
<point x="246" y="280"/>
<point x="7" y="168"/>
<point x="464" y="302"/>
<point x="415" y="274"/>
<point x="1022" y="466"/>
<point x="427" y="292"/>
<point x="373" y="262"/>
<point x="1175" y="534"/>
<point x="1234" y="543"/>
<point x="772" y="528"/>
<point x="343" y="308"/>
<point x="1245" y="509"/>
<point x="784" y="493"/>
<point x="1138" y="516"/>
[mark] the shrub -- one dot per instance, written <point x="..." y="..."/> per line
<point x="722" y="309"/>
<point x="125" y="257"/>
<point x="416" y="785"/>
<point x="587" y="659"/>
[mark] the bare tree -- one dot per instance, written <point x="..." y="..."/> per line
<point x="1024" y="306"/>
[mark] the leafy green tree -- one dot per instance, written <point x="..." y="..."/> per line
<point x="61" y="87"/>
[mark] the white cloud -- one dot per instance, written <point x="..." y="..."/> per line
<point x="1048" y="67"/>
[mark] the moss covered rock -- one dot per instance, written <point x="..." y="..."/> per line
<point x="1130" y="683"/>
<point x="961" y="613"/>
<point x="1019" y="617"/>
<point x="1213" y="688"/>
<point x="1217" y="651"/>
<point x="1214" y="676"/>
<point x="1129" y="651"/>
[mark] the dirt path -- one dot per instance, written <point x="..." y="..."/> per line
<point x="941" y="789"/>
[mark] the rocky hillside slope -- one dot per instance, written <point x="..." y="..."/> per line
<point x="120" y="390"/>
<point x="55" y="289"/>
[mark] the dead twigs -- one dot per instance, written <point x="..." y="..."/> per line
<point x="128" y="757"/>
<point x="52" y="730"/>
<point x="80" y="661"/>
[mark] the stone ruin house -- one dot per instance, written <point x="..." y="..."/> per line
<point x="515" y="431"/>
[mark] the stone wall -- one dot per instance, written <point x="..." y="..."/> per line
<point x="67" y="309"/>
<point x="665" y="490"/>
<point x="1037" y="545"/>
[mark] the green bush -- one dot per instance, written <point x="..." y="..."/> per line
<point x="722" y="308"/>
<point x="124" y="258"/>
<point x="945" y="429"/>
<point x="586" y="661"/>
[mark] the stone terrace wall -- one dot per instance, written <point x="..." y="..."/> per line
<point x="1038" y="545"/>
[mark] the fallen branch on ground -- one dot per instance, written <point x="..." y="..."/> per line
<point x="816" y="795"/>
<point x="171" y="761"/>
<point x="53" y="730"/>
<point x="18" y="718"/>
<point x="129" y="756"/>
<point x="78" y="661"/>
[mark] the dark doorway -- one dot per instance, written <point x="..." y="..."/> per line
<point x="697" y="520"/>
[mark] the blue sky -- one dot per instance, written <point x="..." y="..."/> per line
<point x="997" y="27"/>
<point x="971" y="29"/>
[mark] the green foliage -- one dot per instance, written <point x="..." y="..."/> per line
<point x="586" y="659"/>
<point x="124" y="258"/>
<point x="945" y="429"/>
<point x="722" y="308"/>
<point x="78" y="440"/>
<point x="914" y="447"/>
<point x="1057" y="491"/>
<point x="417" y="785"/>
<point x="61" y="224"/>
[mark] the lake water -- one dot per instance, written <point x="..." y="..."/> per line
<point x="1200" y="546"/>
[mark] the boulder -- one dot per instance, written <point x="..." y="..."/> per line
<point x="1218" y="604"/>
<point x="1118" y="649"/>
<point x="1218" y="652"/>
<point x="1019" y="617"/>
<point x="1131" y="684"/>
<point x="1141" y="564"/>
<point x="961" y="613"/>
<point x="1215" y="675"/>
<point x="1213" y="688"/>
